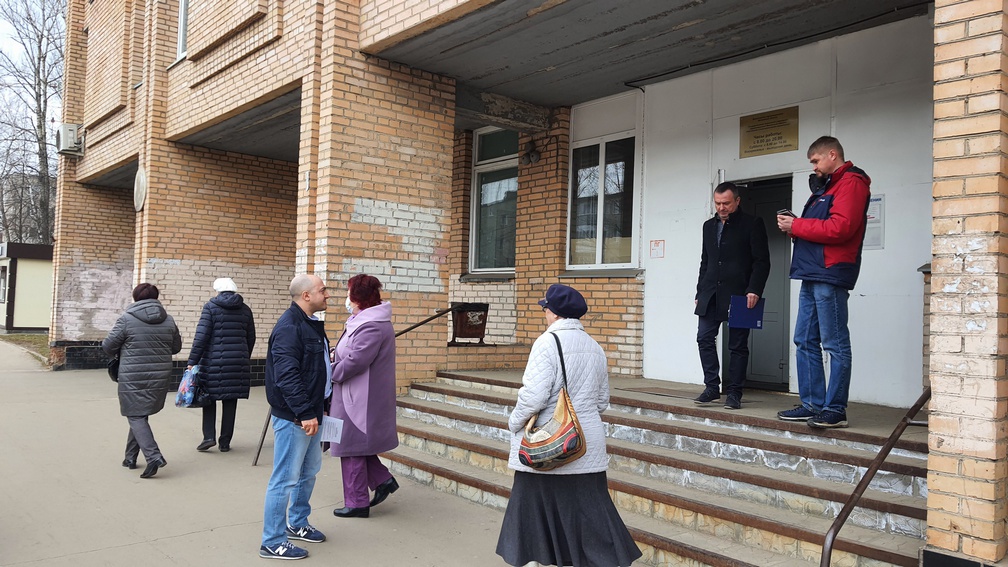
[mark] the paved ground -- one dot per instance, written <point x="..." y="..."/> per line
<point x="65" y="499"/>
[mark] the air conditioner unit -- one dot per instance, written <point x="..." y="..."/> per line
<point x="68" y="140"/>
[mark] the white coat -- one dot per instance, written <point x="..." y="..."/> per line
<point x="587" y="386"/>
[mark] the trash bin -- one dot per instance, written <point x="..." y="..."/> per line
<point x="468" y="322"/>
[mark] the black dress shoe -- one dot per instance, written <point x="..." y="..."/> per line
<point x="224" y="447"/>
<point x="205" y="445"/>
<point x="352" y="512"/>
<point x="382" y="491"/>
<point x="129" y="464"/>
<point x="152" y="468"/>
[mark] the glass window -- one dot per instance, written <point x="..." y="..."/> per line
<point x="183" y="28"/>
<point x="3" y="284"/>
<point x="494" y="145"/>
<point x="494" y="201"/>
<point x="602" y="203"/>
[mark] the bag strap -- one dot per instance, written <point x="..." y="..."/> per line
<point x="563" y="368"/>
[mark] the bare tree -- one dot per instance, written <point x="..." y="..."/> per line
<point x="31" y="75"/>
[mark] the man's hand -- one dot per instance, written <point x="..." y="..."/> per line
<point x="784" y="223"/>
<point x="751" y="299"/>
<point x="310" y="426"/>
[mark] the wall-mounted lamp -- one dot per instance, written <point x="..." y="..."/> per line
<point x="531" y="154"/>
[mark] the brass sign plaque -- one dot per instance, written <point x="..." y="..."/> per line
<point x="768" y="132"/>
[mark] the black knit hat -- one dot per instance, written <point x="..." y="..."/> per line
<point x="564" y="301"/>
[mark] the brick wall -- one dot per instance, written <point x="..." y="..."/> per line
<point x="213" y="214"/>
<point x="384" y="188"/>
<point x="386" y="22"/>
<point x="502" y="317"/>
<point x="968" y="472"/>
<point x="615" y="305"/>
<point x="93" y="260"/>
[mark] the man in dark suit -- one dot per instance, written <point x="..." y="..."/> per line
<point x="735" y="260"/>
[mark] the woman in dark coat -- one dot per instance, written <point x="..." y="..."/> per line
<point x="144" y="338"/>
<point x="222" y="347"/>
<point x="364" y="389"/>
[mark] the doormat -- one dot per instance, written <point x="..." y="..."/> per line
<point x="659" y="391"/>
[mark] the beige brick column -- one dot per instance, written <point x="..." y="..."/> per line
<point x="968" y="474"/>
<point x="384" y="187"/>
<point x="92" y="255"/>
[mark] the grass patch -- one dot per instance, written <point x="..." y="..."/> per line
<point x="33" y="342"/>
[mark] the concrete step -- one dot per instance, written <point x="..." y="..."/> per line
<point x="745" y="477"/>
<point x="676" y="403"/>
<point x="905" y="475"/>
<point x="709" y="529"/>
<point x="661" y="543"/>
<point x="880" y="511"/>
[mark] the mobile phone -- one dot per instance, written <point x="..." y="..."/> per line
<point x="786" y="212"/>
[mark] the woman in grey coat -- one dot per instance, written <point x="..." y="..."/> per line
<point x="144" y="339"/>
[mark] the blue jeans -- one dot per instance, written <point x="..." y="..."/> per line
<point x="822" y="325"/>
<point x="297" y="458"/>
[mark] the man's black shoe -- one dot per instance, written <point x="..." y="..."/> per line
<point x="129" y="464"/>
<point x="709" y="395"/>
<point x="205" y="445"/>
<point x="733" y="402"/>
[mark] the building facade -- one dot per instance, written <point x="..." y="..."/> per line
<point x="477" y="151"/>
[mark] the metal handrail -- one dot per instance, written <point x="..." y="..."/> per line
<point x="438" y="313"/>
<point x="855" y="497"/>
<point x="262" y="436"/>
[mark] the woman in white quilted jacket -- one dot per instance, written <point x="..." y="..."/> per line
<point x="564" y="516"/>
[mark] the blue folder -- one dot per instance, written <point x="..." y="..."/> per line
<point x="740" y="316"/>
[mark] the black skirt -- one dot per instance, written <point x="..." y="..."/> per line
<point x="564" y="520"/>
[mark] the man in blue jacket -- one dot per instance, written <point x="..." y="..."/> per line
<point x="827" y="259"/>
<point x="297" y="368"/>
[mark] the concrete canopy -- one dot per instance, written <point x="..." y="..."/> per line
<point x="515" y="60"/>
<point x="562" y="53"/>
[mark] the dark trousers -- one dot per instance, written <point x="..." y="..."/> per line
<point x="738" y="362"/>
<point x="228" y="410"/>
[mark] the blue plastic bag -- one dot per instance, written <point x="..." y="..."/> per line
<point x="190" y="393"/>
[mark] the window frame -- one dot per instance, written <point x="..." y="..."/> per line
<point x="182" y="46"/>
<point x="478" y="167"/>
<point x="635" y="221"/>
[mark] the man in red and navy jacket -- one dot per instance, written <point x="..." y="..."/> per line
<point x="828" y="238"/>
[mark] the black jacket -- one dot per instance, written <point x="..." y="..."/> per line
<point x="295" y="367"/>
<point x="740" y="265"/>
<point x="222" y="346"/>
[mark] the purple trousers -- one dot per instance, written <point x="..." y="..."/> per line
<point x="359" y="475"/>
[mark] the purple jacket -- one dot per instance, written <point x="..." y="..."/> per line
<point x="364" y="384"/>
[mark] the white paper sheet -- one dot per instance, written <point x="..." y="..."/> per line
<point x="332" y="429"/>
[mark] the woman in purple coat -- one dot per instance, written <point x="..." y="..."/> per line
<point x="364" y="389"/>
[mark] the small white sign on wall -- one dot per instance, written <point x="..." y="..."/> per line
<point x="657" y="248"/>
<point x="875" y="229"/>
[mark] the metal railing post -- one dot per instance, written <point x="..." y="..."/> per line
<point x="855" y="497"/>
